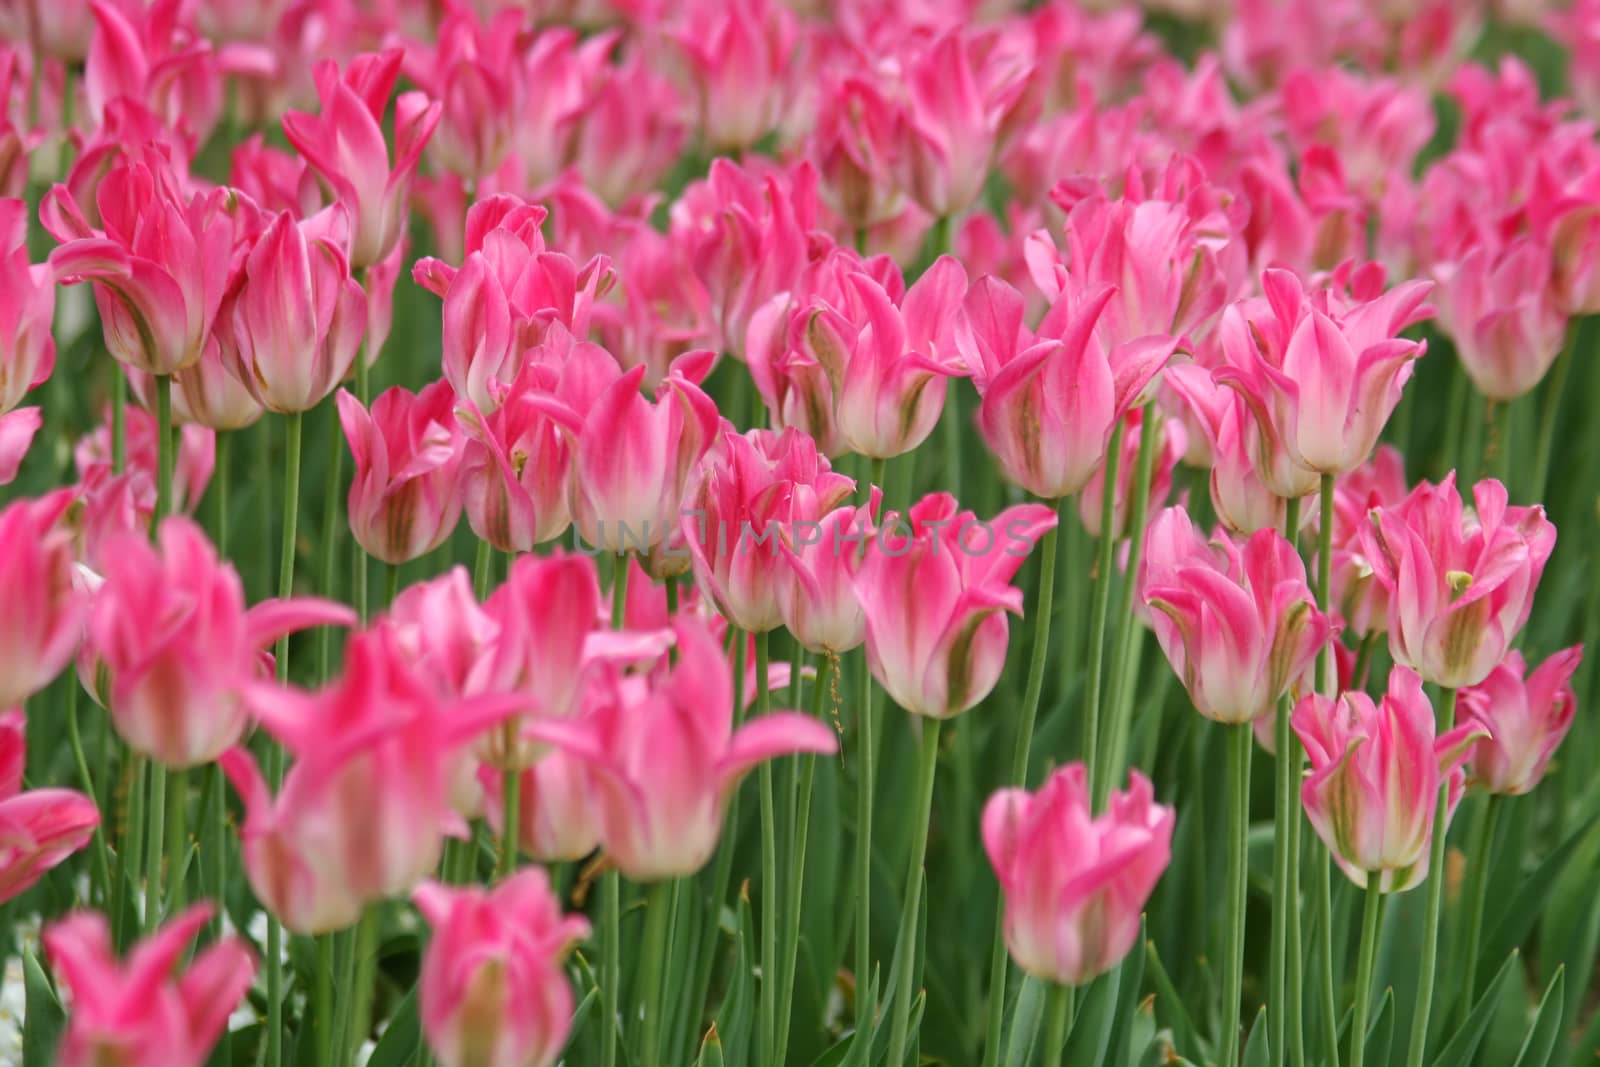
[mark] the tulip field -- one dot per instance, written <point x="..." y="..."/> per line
<point x="799" y="533"/>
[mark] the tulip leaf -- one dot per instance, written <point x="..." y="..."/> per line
<point x="1169" y="1005"/>
<point x="710" y="1049"/>
<point x="1464" y="1045"/>
<point x="1130" y="986"/>
<point x="735" y="1016"/>
<point x="42" y="1023"/>
<point x="1380" y="1032"/>
<point x="1091" y="1028"/>
<point x="1519" y="913"/>
<point x="1025" y="1018"/>
<point x="1546" y="1026"/>
<point x="1256" y="1052"/>
<point x="402" y="1038"/>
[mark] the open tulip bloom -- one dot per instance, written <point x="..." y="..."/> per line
<point x="566" y="532"/>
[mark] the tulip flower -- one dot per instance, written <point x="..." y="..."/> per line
<point x="557" y="821"/>
<point x="1360" y="600"/>
<point x="1238" y="623"/>
<point x="1242" y="501"/>
<point x="852" y="146"/>
<point x="739" y="56"/>
<point x="1460" y="584"/>
<point x="935" y="586"/>
<point x="27" y="310"/>
<point x="622" y="150"/>
<point x="345" y="145"/>
<point x="170" y="633"/>
<point x="160" y="266"/>
<point x="492" y="988"/>
<point x="206" y="394"/>
<point x="945" y="137"/>
<point x="42" y="613"/>
<point x="752" y="491"/>
<point x="150" y="56"/>
<point x="362" y="814"/>
<point x="191" y="471"/>
<point x="405" y="498"/>
<point x="1051" y="400"/>
<point x="664" y="755"/>
<point x="1074" y="883"/>
<point x="1499" y="308"/>
<point x="135" y="1012"/>
<point x="42" y="826"/>
<point x="473" y="70"/>
<point x="1524" y="715"/>
<point x="297" y="317"/>
<point x="17" y="429"/>
<point x="1321" y="372"/>
<point x="1375" y="776"/>
<point x="818" y="601"/>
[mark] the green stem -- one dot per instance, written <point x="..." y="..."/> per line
<point x="1498" y="460"/>
<point x="366" y="977"/>
<point x="483" y="570"/>
<point x="214" y="846"/>
<point x="155" y="852"/>
<point x="332" y="537"/>
<point x="1043" y="610"/>
<point x="136" y="826"/>
<point x="1475" y="897"/>
<point x="391" y="583"/>
<point x="866" y="1006"/>
<point x="219" y="492"/>
<point x="1550" y="410"/>
<point x="657" y="912"/>
<point x="1358" y="675"/>
<point x="1103" y="579"/>
<point x="1059" y="1023"/>
<point x="797" y="862"/>
<point x="1114" y="754"/>
<point x="1328" y="684"/>
<point x="610" y="884"/>
<point x="1371" y="915"/>
<point x="119" y="420"/>
<point x="1286" y="812"/>
<point x="1430" y="921"/>
<point x="769" y="876"/>
<point x="102" y="865"/>
<point x="163" y="385"/>
<point x="177" y="837"/>
<point x="322" y="985"/>
<point x="906" y="941"/>
<point x="511" y="807"/>
<point x="1239" y="749"/>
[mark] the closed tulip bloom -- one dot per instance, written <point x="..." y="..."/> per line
<point x="170" y="633"/>
<point x="945" y="139"/>
<point x="209" y="394"/>
<point x="1051" y="400"/>
<point x="751" y="491"/>
<point x="1525" y="716"/>
<point x="1499" y="308"/>
<point x="138" y="1012"/>
<point x="1075" y="884"/>
<point x="192" y="466"/>
<point x="405" y="498"/>
<point x="1361" y="600"/>
<point x="1460" y="582"/>
<point x="42" y="827"/>
<point x="936" y="586"/>
<point x="558" y="821"/>
<point x="1238" y="624"/>
<point x="362" y="814"/>
<point x="1243" y="502"/>
<point x="27" y="310"/>
<point x="665" y="756"/>
<point x="492" y="988"/>
<point x="297" y="315"/>
<point x="1321" y="372"/>
<point x="160" y="266"/>
<point x="818" y="600"/>
<point x="345" y="145"/>
<point x="42" y="613"/>
<point x="740" y="56"/>
<point x="475" y="74"/>
<point x="1376" y="770"/>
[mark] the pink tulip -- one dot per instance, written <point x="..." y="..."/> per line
<point x="515" y="467"/>
<point x="345" y="145"/>
<point x="1360" y="601"/>
<point x="192" y="466"/>
<point x="1320" y="371"/>
<point x="935" y="590"/>
<point x="818" y="600"/>
<point x="42" y="826"/>
<point x="492" y="987"/>
<point x="568" y="71"/>
<point x="946" y="134"/>
<point x="621" y="149"/>
<point x="170" y="633"/>
<point x="557" y="818"/>
<point x="406" y="496"/>
<point x="474" y="72"/>
<point x="1242" y="501"/>
<point x="362" y="814"/>
<point x="297" y="316"/>
<point x="852" y="147"/>
<point x="1051" y="399"/>
<point x="1169" y="449"/>
<point x="160" y="266"/>
<point x="1075" y="884"/>
<point x="17" y="429"/>
<point x="59" y="30"/>
<point x="27" y="310"/>
<point x="207" y="394"/>
<point x="665" y="756"/>
<point x="1500" y="309"/>
<point x="1238" y="623"/>
<point x="1460" y="583"/>
<point x="752" y="492"/>
<point x="740" y="58"/>
<point x="665" y="308"/>
<point x="1525" y="717"/>
<point x="1375" y="777"/>
<point x="42" y="613"/>
<point x="133" y="1013"/>
<point x="152" y="55"/>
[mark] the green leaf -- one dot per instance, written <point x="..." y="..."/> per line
<point x="1025" y="1020"/>
<point x="1541" y="1039"/>
<point x="402" y="1039"/>
<point x="1130" y="987"/>
<point x="41" y="1026"/>
<point x="736" y="1014"/>
<point x="710" y="1049"/>
<point x="1256" y="1053"/>
<point x="1169" y="1005"/>
<point x="1091" y="1029"/>
<point x="1518" y="914"/>
<point x="1380" y="1032"/>
<point x="1462" y="1047"/>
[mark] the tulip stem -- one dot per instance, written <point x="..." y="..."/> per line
<point x="154" y="851"/>
<point x="322" y="988"/>
<point x="866" y="1006"/>
<point x="610" y="884"/>
<point x="177" y="836"/>
<point x="1328" y="684"/>
<point x="1550" y="410"/>
<point x="1430" y="920"/>
<point x="1114" y="753"/>
<point x="391" y="584"/>
<point x="906" y="940"/>
<point x="366" y="968"/>
<point x="1239" y="746"/>
<point x="797" y="861"/>
<point x="1371" y="916"/>
<point x="102" y="866"/>
<point x="769" y="875"/>
<point x="154" y="847"/>
<point x="1475" y="897"/>
<point x="119" y="420"/>
<point x="275" y="758"/>
<point x="657" y="911"/>
<point x="1104" y="565"/>
<point x="1043" y="610"/>
<point x="330" y="542"/>
<point x="1058" y="1023"/>
<point x="163" y="387"/>
<point x="1286" y="813"/>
